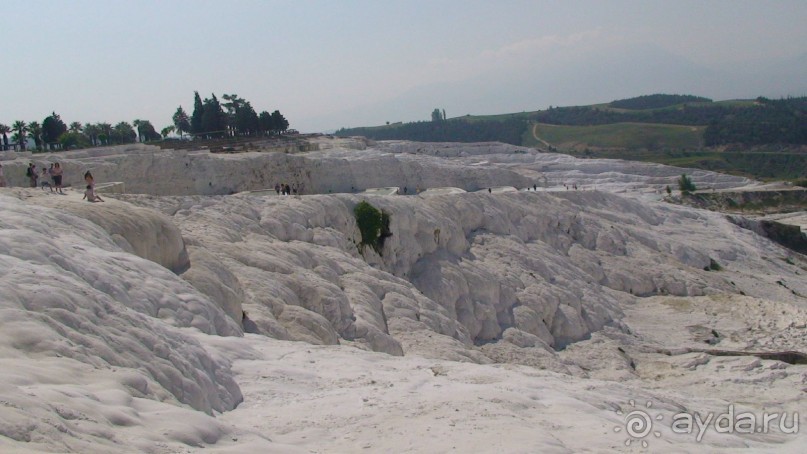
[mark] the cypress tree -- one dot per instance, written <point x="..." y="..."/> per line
<point x="198" y="112"/>
<point x="214" y="120"/>
<point x="266" y="122"/>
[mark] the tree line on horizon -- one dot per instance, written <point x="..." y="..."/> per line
<point x="210" y="119"/>
<point x="54" y="134"/>
<point x="770" y="121"/>
<point x="438" y="130"/>
<point x="656" y="101"/>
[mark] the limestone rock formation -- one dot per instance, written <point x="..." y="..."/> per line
<point x="123" y="322"/>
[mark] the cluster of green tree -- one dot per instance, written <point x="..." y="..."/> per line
<point x="656" y="101"/>
<point x="234" y="117"/>
<point x="454" y="130"/>
<point x="55" y="134"/>
<point x="438" y="116"/>
<point x="768" y="121"/>
<point x="95" y="134"/>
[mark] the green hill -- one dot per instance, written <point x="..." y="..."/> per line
<point x="681" y="130"/>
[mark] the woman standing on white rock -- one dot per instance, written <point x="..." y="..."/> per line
<point x="56" y="173"/>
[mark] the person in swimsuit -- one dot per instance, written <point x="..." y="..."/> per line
<point x="56" y="173"/>
<point x="90" y="195"/>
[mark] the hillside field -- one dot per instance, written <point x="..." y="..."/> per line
<point x="618" y="135"/>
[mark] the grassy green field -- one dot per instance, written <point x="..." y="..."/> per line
<point x="618" y="135"/>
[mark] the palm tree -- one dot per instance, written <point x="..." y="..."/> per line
<point x="167" y="130"/>
<point x="4" y="129"/>
<point x="35" y="131"/>
<point x="106" y="130"/>
<point x="124" y="133"/>
<point x="75" y="127"/>
<point x="20" y="129"/>
<point x="92" y="131"/>
<point x="181" y="121"/>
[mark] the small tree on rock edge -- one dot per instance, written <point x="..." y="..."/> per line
<point x="373" y="225"/>
<point x="686" y="185"/>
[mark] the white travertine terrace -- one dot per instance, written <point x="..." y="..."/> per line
<point x="180" y="318"/>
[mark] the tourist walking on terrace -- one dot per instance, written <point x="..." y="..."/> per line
<point x="56" y="173"/>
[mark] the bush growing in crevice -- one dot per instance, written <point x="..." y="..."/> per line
<point x="373" y="225"/>
<point x="713" y="266"/>
<point x="686" y="185"/>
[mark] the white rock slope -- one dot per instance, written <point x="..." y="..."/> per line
<point x="526" y="320"/>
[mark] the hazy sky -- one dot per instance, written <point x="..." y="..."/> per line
<point x="329" y="63"/>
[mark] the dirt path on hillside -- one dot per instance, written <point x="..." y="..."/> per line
<point x="535" y="135"/>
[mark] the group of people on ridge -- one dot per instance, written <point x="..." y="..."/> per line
<point x="285" y="189"/>
<point x="54" y="174"/>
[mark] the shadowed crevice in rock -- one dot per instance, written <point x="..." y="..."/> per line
<point x="790" y="357"/>
<point x="789" y="236"/>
